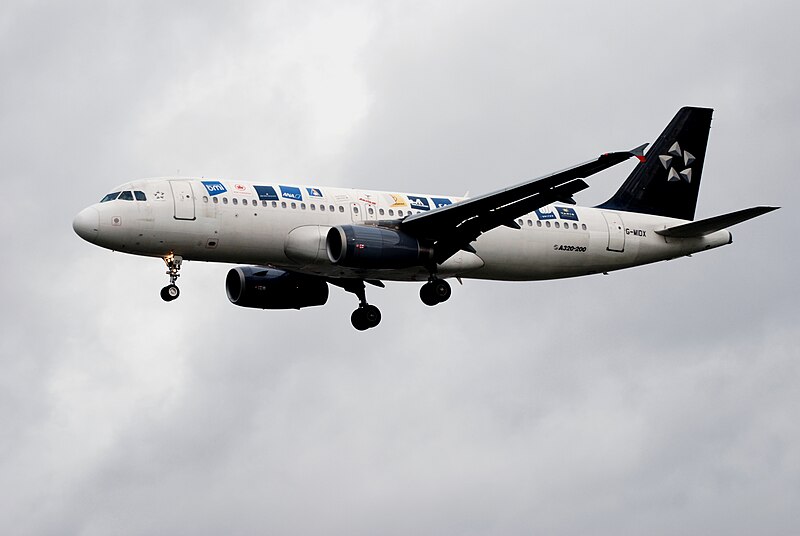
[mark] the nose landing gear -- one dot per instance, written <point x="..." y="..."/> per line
<point x="171" y="291"/>
<point x="435" y="291"/>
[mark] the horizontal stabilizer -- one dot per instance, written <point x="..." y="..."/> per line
<point x="712" y="225"/>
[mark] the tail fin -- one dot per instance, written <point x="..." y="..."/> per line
<point x="667" y="182"/>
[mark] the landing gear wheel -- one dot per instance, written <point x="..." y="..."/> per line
<point x="435" y="291"/>
<point x="170" y="292"/>
<point x="365" y="317"/>
<point x="427" y="295"/>
<point x="442" y="290"/>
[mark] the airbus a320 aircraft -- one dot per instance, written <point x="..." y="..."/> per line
<point x="296" y="240"/>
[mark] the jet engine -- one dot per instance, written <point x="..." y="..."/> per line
<point x="268" y="288"/>
<point x="361" y="246"/>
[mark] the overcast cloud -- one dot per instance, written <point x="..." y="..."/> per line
<point x="657" y="400"/>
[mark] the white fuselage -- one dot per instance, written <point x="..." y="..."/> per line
<point x="286" y="226"/>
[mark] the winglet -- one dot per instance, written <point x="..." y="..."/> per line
<point x="639" y="152"/>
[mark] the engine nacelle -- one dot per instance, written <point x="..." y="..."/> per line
<point x="268" y="288"/>
<point x="362" y="246"/>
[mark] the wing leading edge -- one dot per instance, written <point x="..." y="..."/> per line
<point x="454" y="227"/>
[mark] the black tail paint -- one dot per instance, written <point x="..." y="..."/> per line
<point x="668" y="181"/>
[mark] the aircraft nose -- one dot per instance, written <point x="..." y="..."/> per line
<point x="87" y="223"/>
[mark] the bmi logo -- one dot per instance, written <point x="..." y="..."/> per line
<point x="214" y="187"/>
<point x="676" y="158"/>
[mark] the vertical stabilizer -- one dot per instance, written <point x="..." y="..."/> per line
<point x="668" y="181"/>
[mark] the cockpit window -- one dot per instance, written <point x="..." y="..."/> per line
<point x="140" y="195"/>
<point x="126" y="196"/>
<point x="110" y="197"/>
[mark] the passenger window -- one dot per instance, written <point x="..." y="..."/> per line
<point x="399" y="212"/>
<point x="341" y="208"/>
<point x="391" y="212"/>
<point x="283" y="204"/>
<point x="235" y="201"/>
<point x="274" y="204"/>
<point x="294" y="205"/>
<point x="313" y="206"/>
<point x="110" y="197"/>
<point x="302" y="206"/>
<point x="530" y="223"/>
<point x="263" y="203"/>
<point x="519" y="222"/>
<point x="371" y="211"/>
<point x="538" y="223"/>
<point x="215" y="199"/>
<point x="244" y="201"/>
<point x="322" y="208"/>
<point x="224" y="200"/>
<point x="126" y="196"/>
<point x="205" y="199"/>
<point x="583" y="226"/>
<point x="355" y="209"/>
<point x="139" y="196"/>
<point x="575" y="226"/>
<point x="547" y="224"/>
<point x="558" y="226"/>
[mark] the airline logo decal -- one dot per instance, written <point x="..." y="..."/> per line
<point x="398" y="201"/>
<point x="567" y="213"/>
<point x="291" y="192"/>
<point x="314" y="192"/>
<point x="419" y="203"/>
<point x="240" y="188"/>
<point x="545" y="213"/>
<point x="266" y="193"/>
<point x="676" y="158"/>
<point x="439" y="202"/>
<point x="214" y="187"/>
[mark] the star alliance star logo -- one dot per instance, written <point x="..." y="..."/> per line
<point x="674" y="158"/>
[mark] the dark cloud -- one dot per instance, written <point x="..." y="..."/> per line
<point x="657" y="399"/>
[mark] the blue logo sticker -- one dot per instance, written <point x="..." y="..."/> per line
<point x="439" y="202"/>
<point x="545" y="214"/>
<point x="314" y="192"/>
<point x="266" y="193"/>
<point x="419" y="203"/>
<point x="214" y="187"/>
<point x="567" y="213"/>
<point x="291" y="192"/>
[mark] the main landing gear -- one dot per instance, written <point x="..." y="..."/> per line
<point x="366" y="316"/>
<point x="435" y="291"/>
<point x="171" y="291"/>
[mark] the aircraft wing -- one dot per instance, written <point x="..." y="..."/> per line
<point x="453" y="227"/>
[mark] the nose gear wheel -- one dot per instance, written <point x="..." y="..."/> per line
<point x="171" y="291"/>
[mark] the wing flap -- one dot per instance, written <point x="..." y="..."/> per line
<point x="712" y="225"/>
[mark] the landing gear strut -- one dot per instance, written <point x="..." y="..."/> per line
<point x="171" y="291"/>
<point x="366" y="316"/>
<point x="435" y="291"/>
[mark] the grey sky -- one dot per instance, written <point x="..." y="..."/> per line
<point x="660" y="399"/>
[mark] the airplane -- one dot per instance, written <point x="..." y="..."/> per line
<point x="293" y="241"/>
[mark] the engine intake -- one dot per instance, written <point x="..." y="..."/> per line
<point x="361" y="246"/>
<point x="268" y="288"/>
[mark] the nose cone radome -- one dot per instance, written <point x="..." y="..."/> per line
<point x="87" y="223"/>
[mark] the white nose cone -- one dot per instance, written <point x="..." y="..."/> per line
<point x="86" y="224"/>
